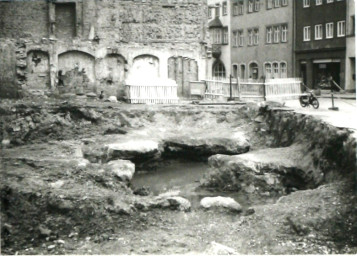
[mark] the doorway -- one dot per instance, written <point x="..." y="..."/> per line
<point x="322" y="72"/>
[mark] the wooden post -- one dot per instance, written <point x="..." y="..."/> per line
<point x="239" y="93"/>
<point x="265" y="92"/>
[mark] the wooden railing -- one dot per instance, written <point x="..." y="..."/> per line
<point x="152" y="94"/>
<point x="248" y="89"/>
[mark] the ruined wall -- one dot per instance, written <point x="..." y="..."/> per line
<point x="24" y="19"/>
<point x="105" y="39"/>
<point x="138" y="21"/>
<point x="8" y="86"/>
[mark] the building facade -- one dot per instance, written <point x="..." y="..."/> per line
<point x="75" y="46"/>
<point x="219" y="20"/>
<point x="350" y="47"/>
<point x="262" y="38"/>
<point x="320" y="49"/>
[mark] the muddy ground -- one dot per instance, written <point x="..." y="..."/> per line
<point x="57" y="196"/>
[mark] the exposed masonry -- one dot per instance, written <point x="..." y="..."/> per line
<point x="97" y="44"/>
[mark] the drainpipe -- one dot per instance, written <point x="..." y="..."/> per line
<point x="294" y="41"/>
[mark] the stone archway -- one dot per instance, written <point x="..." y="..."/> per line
<point x="110" y="72"/>
<point x="78" y="71"/>
<point x="144" y="67"/>
<point x="182" y="70"/>
<point x="38" y="70"/>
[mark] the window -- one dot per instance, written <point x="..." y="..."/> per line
<point x="269" y="4"/>
<point x="307" y="33"/>
<point x="241" y="7"/>
<point x="216" y="36"/>
<point x="276" y="3"/>
<point x="353" y="22"/>
<point x="235" y="38"/>
<point x="267" y="68"/>
<point x="256" y="36"/>
<point x="341" y="28"/>
<point x="250" y="37"/>
<point x="219" y="70"/>
<point x="256" y="5"/>
<point x="276" y="34"/>
<point x="283" y="70"/>
<point x="284" y="2"/>
<point x="224" y="8"/>
<point x="250" y="5"/>
<point x="225" y="35"/>
<point x="318" y="32"/>
<point x="269" y="35"/>
<point x="235" y="71"/>
<point x="242" y="71"/>
<point x="235" y="9"/>
<point x="241" y="38"/>
<point x="253" y="71"/>
<point x="329" y="1"/>
<point x="217" y="11"/>
<point x="306" y="3"/>
<point x="284" y="33"/>
<point x="275" y="70"/>
<point x="318" y="2"/>
<point x="210" y="13"/>
<point x="329" y="30"/>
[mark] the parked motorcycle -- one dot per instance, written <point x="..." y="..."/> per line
<point x="309" y="99"/>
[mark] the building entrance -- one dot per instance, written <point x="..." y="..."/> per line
<point x="323" y="72"/>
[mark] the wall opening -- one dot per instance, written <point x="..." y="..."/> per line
<point x="218" y="70"/>
<point x="110" y="72"/>
<point x="76" y="71"/>
<point x="145" y="66"/>
<point x="65" y="20"/>
<point x="38" y="70"/>
<point x="182" y="70"/>
<point x="253" y="71"/>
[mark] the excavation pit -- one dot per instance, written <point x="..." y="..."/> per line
<point x="290" y="173"/>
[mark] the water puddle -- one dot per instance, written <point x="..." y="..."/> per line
<point x="184" y="176"/>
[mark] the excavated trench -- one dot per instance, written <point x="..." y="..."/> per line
<point x="97" y="178"/>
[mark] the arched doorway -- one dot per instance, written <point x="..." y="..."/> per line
<point x="145" y="66"/>
<point x="76" y="69"/>
<point x="218" y="70"/>
<point x="253" y="71"/>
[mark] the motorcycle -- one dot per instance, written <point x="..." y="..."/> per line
<point x="309" y="99"/>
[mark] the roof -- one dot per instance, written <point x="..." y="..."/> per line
<point x="216" y="23"/>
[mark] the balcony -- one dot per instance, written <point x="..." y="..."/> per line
<point x="216" y="50"/>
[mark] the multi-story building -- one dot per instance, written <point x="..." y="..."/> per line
<point x="320" y="49"/>
<point x="350" y="47"/>
<point x="99" y="44"/>
<point x="262" y="38"/>
<point x="219" y="26"/>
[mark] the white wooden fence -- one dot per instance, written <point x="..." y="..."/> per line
<point x="154" y="94"/>
<point x="248" y="89"/>
<point x="283" y="88"/>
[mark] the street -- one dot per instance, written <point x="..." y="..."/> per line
<point x="345" y="117"/>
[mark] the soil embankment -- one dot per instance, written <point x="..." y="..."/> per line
<point x="65" y="187"/>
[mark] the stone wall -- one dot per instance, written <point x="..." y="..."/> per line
<point x="24" y="19"/>
<point x="8" y="87"/>
<point x="332" y="150"/>
<point x="104" y="39"/>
